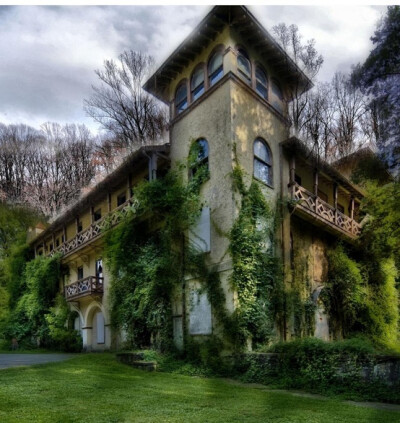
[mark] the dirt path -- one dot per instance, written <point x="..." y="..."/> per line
<point x="16" y="360"/>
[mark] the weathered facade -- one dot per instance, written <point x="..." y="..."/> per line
<point x="227" y="86"/>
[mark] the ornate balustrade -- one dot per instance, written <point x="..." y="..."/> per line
<point x="92" y="285"/>
<point x="94" y="230"/>
<point x="316" y="207"/>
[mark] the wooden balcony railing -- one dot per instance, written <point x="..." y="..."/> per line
<point x="324" y="212"/>
<point x="95" y="230"/>
<point x="92" y="285"/>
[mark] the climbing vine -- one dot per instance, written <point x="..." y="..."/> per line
<point x="256" y="273"/>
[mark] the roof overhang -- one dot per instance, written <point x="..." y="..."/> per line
<point x="132" y="162"/>
<point x="296" y="147"/>
<point x="241" y="20"/>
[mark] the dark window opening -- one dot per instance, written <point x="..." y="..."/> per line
<point x="80" y="273"/>
<point x="121" y="199"/>
<point x="97" y="215"/>
<point x="297" y="179"/>
<point x="80" y="227"/>
<point x="57" y="242"/>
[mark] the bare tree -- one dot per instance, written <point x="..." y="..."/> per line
<point x="120" y="104"/>
<point x="307" y="59"/>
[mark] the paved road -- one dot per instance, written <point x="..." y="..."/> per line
<point x="15" y="360"/>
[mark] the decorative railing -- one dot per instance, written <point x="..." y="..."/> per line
<point x="314" y="205"/>
<point x="94" y="230"/>
<point x="92" y="285"/>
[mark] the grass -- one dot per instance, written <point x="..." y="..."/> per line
<point x="95" y="388"/>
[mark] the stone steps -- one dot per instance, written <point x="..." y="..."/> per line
<point x="136" y="360"/>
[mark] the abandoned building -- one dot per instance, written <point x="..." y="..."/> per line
<point x="226" y="86"/>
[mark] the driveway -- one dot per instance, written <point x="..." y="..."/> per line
<point x="15" y="360"/>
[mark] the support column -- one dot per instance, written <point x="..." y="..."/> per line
<point x="352" y="207"/>
<point x="335" y="197"/>
<point x="316" y="189"/>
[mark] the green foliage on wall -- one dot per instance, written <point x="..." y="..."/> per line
<point x="60" y="326"/>
<point x="361" y="297"/>
<point x="256" y="273"/>
<point x="148" y="254"/>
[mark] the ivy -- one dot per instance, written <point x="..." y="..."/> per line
<point x="256" y="275"/>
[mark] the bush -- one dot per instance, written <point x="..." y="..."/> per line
<point x="318" y="366"/>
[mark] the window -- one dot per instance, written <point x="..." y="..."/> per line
<point x="244" y="66"/>
<point x="278" y="96"/>
<point x="57" y="242"/>
<point x="261" y="82"/>
<point x="121" y="199"/>
<point x="99" y="268"/>
<point x="297" y="179"/>
<point x="201" y="146"/>
<point x="262" y="161"/>
<point x="97" y="215"/>
<point x="215" y="68"/>
<point x="197" y="83"/>
<point x="80" y="273"/>
<point x="181" y="101"/>
<point x="79" y="226"/>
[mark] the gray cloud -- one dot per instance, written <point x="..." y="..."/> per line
<point x="49" y="54"/>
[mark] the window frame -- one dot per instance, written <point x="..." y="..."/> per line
<point x="203" y="160"/>
<point x="257" y="82"/>
<point x="219" y="72"/>
<point x="242" y="53"/>
<point x="184" y="103"/>
<point x="202" y="86"/>
<point x="261" y="160"/>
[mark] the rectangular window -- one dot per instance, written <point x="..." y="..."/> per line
<point x="121" y="199"/>
<point x="200" y="233"/>
<point x="297" y="179"/>
<point x="97" y="215"/>
<point x="57" y="242"/>
<point x="200" y="322"/>
<point x="80" y="273"/>
<point x="79" y="226"/>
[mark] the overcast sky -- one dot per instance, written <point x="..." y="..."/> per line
<point x="48" y="54"/>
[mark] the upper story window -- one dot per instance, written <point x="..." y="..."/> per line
<point x="197" y="82"/>
<point x="278" y="95"/>
<point x="261" y="82"/>
<point x="121" y="199"/>
<point x="262" y="161"/>
<point x="200" y="148"/>
<point x="97" y="215"/>
<point x="244" y="66"/>
<point x="181" y="100"/>
<point x="215" y="68"/>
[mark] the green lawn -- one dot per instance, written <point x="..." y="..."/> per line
<point x="95" y="388"/>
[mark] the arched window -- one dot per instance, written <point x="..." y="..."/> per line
<point x="244" y="66"/>
<point x="277" y="101"/>
<point x="215" y="68"/>
<point x="200" y="150"/>
<point x="197" y="83"/>
<point x="181" y="100"/>
<point x="262" y="161"/>
<point x="261" y="82"/>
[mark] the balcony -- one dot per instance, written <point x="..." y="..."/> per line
<point x="95" y="230"/>
<point x="92" y="285"/>
<point x="314" y="209"/>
